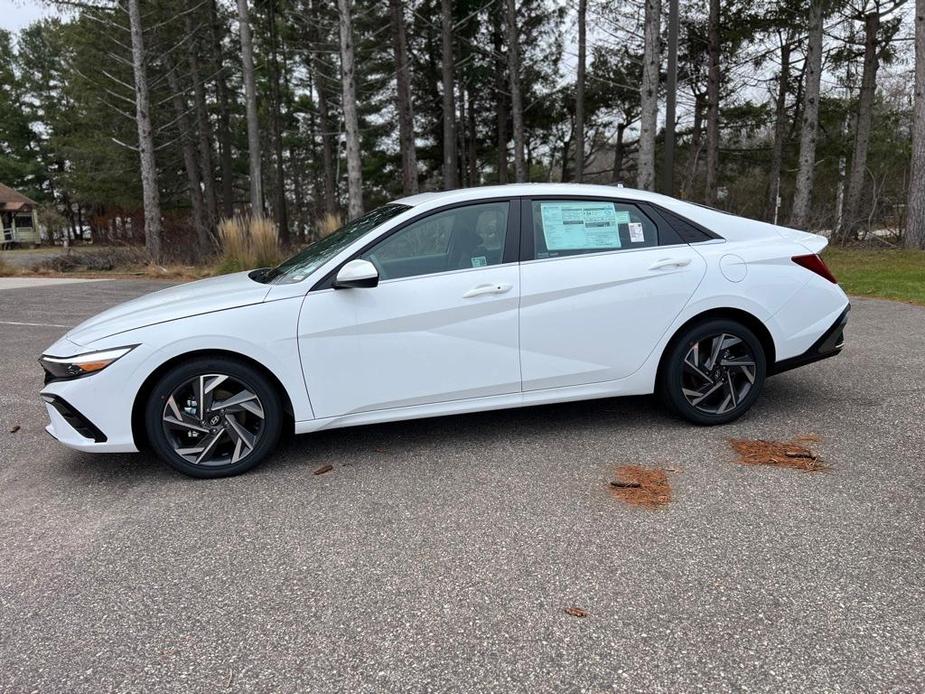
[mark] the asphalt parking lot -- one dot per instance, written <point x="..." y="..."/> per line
<point x="439" y="555"/>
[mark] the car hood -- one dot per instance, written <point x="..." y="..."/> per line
<point x="182" y="301"/>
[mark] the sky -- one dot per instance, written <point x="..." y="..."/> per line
<point x="15" y="14"/>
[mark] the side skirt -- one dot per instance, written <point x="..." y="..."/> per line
<point x="590" y="391"/>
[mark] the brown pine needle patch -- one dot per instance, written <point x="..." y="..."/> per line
<point x="641" y="486"/>
<point x="576" y="612"/>
<point x="790" y="454"/>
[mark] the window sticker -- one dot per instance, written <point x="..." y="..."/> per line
<point x="479" y="261"/>
<point x="636" y="235"/>
<point x="581" y="225"/>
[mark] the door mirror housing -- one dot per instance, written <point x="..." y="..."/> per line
<point x="357" y="273"/>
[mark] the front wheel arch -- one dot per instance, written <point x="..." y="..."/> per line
<point x="744" y="317"/>
<point x="139" y="431"/>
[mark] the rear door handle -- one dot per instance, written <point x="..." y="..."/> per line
<point x="669" y="262"/>
<point x="483" y="289"/>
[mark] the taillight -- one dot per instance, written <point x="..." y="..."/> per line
<point x="814" y="263"/>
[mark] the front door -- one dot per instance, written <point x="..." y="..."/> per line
<point x="600" y="292"/>
<point x="440" y="326"/>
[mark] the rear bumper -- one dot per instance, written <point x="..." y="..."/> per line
<point x="828" y="345"/>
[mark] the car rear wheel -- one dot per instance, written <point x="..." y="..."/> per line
<point x="213" y="417"/>
<point x="714" y="372"/>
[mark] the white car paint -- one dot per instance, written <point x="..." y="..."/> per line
<point x="539" y="331"/>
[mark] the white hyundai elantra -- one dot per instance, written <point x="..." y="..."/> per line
<point x="453" y="302"/>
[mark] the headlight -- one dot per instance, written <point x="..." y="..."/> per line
<point x="81" y="364"/>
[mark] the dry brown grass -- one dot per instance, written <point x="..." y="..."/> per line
<point x="264" y="241"/>
<point x="328" y="224"/>
<point x="6" y="269"/>
<point x="248" y="242"/>
<point x="790" y="454"/>
<point x="650" y="488"/>
<point x="232" y="237"/>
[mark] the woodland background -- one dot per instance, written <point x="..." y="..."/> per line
<point x="150" y="121"/>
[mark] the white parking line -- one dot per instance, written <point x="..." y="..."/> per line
<point x="35" y="325"/>
<point x="23" y="282"/>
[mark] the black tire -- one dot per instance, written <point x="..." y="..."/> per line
<point x="259" y="418"/>
<point x="683" y="384"/>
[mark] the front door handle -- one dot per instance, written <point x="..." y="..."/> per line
<point x="669" y="262"/>
<point x="483" y="289"/>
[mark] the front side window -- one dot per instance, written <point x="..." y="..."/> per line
<point x="575" y="227"/>
<point x="304" y="263"/>
<point x="456" y="239"/>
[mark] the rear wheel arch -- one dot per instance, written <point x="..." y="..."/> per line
<point x="744" y="317"/>
<point x="139" y="431"/>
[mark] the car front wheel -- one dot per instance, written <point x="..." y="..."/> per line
<point x="714" y="372"/>
<point x="213" y="417"/>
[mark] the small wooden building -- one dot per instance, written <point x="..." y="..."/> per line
<point x="17" y="219"/>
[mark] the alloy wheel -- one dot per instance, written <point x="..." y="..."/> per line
<point x="213" y="419"/>
<point x="718" y="373"/>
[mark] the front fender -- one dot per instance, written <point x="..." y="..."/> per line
<point x="265" y="333"/>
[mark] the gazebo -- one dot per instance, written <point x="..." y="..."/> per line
<point x="17" y="218"/>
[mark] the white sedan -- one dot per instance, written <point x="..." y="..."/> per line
<point x="444" y="303"/>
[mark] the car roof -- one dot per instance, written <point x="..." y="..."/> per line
<point x="726" y="225"/>
<point x="531" y="189"/>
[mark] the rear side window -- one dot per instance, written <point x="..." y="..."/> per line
<point x="574" y="227"/>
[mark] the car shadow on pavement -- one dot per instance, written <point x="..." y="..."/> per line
<point x="575" y="423"/>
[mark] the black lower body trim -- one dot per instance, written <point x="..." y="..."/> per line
<point x="78" y="422"/>
<point x="828" y="345"/>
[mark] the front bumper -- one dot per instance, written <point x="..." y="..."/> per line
<point x="828" y="345"/>
<point x="94" y="413"/>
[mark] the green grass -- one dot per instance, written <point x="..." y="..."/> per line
<point x="885" y="274"/>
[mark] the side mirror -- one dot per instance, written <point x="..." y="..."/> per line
<point x="357" y="273"/>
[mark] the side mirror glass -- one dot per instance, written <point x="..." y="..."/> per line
<point x="357" y="273"/>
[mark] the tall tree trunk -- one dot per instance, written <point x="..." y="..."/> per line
<point x="202" y="125"/>
<point x="190" y="162"/>
<point x="780" y="126"/>
<point x="472" y="157"/>
<point x="351" y="120"/>
<point x="450" y="160"/>
<point x="851" y="214"/>
<point x="462" y="136"/>
<point x="566" y="150"/>
<point x="617" y="176"/>
<point x="648" y="96"/>
<point x="687" y="190"/>
<point x="250" y="97"/>
<point x="328" y="154"/>
<point x="671" y="98"/>
<point x="580" y="92"/>
<point x="224" y="117"/>
<point x="501" y="95"/>
<point x="915" y="210"/>
<point x="282" y="215"/>
<point x="150" y="193"/>
<point x="517" y="108"/>
<point x="409" y="160"/>
<point x="803" y="193"/>
<point x="713" y="79"/>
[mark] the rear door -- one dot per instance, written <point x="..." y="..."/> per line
<point x="601" y="282"/>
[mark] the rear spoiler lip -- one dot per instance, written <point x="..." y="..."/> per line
<point x="814" y="243"/>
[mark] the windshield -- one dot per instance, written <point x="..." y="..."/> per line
<point x="304" y="263"/>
